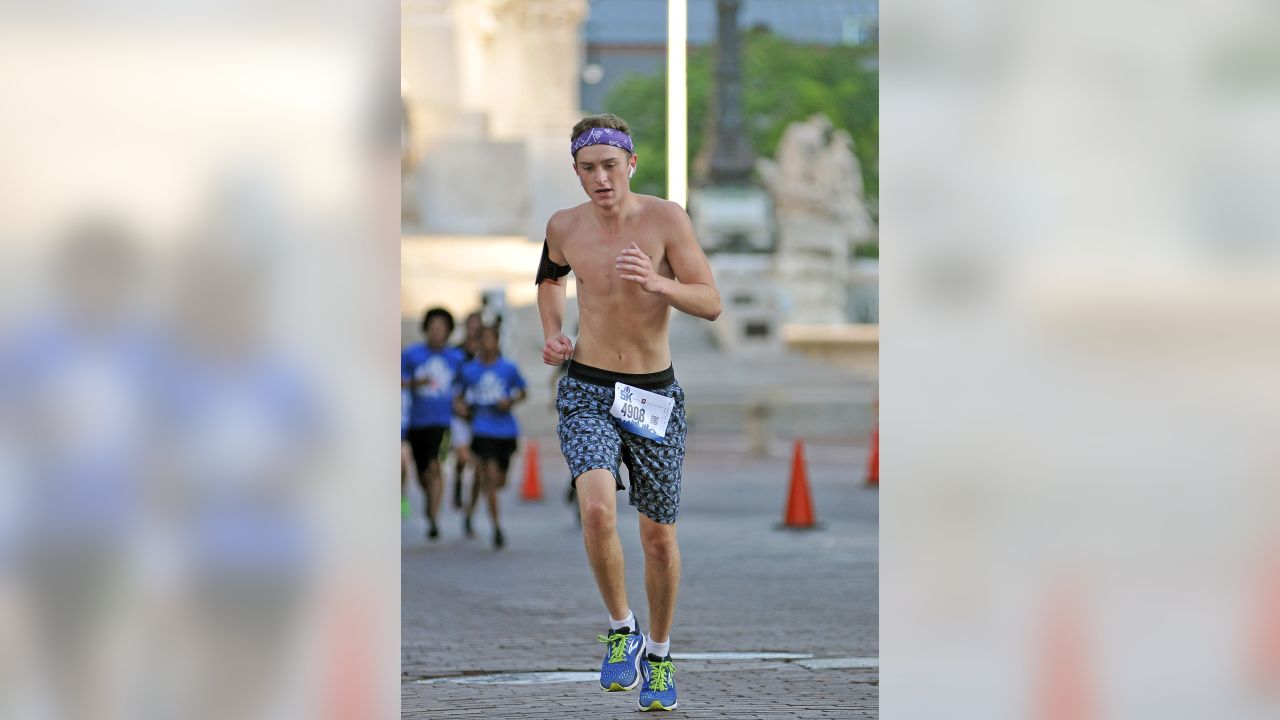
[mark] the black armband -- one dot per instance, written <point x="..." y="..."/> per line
<point x="548" y="269"/>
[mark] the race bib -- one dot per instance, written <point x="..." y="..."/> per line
<point x="641" y="412"/>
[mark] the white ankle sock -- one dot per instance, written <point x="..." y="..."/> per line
<point x="628" y="622"/>
<point x="657" y="648"/>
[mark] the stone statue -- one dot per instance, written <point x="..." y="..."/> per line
<point x="816" y="174"/>
<point x="840" y="174"/>
<point x="816" y="185"/>
<point x="792" y="178"/>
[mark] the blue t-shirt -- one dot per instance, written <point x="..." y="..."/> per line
<point x="82" y="408"/>
<point x="436" y="374"/>
<point x="482" y="386"/>
<point x="244" y="434"/>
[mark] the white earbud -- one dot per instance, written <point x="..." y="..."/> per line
<point x="633" y="172"/>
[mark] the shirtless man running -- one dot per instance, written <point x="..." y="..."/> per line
<point x="634" y="257"/>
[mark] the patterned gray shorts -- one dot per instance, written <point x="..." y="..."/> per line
<point x="591" y="438"/>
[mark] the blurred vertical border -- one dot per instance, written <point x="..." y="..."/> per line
<point x="199" y="291"/>
<point x="1080" y="282"/>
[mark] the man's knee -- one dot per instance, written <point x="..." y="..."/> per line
<point x="598" y="515"/>
<point x="596" y="490"/>
<point x="497" y="476"/>
<point x="433" y="471"/>
<point x="660" y="546"/>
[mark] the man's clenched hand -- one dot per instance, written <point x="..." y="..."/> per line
<point x="557" y="349"/>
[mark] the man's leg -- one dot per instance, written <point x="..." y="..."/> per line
<point x="462" y="458"/>
<point x="434" y="477"/>
<point x="598" y="509"/>
<point x="492" y="480"/>
<point x="431" y="487"/>
<point x="661" y="580"/>
<point x="661" y="575"/>
<point x="477" y="485"/>
<point x="459" y="465"/>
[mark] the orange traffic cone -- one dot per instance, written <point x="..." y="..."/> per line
<point x="1065" y="687"/>
<point x="352" y="687"/>
<point x="1265" y="639"/>
<point x="873" y="465"/>
<point x="799" y="515"/>
<point x="531" y="490"/>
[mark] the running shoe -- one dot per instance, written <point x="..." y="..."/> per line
<point x="621" y="667"/>
<point x="658" y="691"/>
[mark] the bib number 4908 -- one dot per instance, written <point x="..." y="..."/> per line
<point x="641" y="412"/>
<point x="632" y="413"/>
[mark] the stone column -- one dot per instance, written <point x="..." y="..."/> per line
<point x="535" y="98"/>
<point x="533" y="83"/>
<point x="429" y="70"/>
<point x="491" y="94"/>
<point x="478" y="24"/>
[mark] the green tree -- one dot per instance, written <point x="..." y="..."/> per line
<point x="782" y="82"/>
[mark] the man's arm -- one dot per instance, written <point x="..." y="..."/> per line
<point x="518" y="393"/>
<point x="507" y="403"/>
<point x="551" y="301"/>
<point x="693" y="290"/>
<point x="460" y="407"/>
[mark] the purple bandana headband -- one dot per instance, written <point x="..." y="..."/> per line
<point x="601" y="136"/>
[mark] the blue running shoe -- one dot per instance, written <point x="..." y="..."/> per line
<point x="659" y="689"/>
<point x="621" y="667"/>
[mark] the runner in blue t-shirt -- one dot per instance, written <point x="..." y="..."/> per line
<point x="489" y="386"/>
<point x="430" y="370"/>
<point x="460" y="429"/>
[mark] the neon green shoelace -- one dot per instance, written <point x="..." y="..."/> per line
<point x="660" y="674"/>
<point x="617" y="646"/>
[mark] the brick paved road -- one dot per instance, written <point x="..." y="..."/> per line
<point x="747" y="587"/>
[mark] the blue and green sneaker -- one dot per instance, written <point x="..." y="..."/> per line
<point x="621" y="667"/>
<point x="658" y="692"/>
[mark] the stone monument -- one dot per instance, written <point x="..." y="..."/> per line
<point x="817" y="192"/>
<point x="491" y="92"/>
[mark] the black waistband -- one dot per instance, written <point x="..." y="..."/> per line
<point x="606" y="378"/>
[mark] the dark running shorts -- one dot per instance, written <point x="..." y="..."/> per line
<point x="494" y="448"/>
<point x="426" y="443"/>
<point x="591" y="438"/>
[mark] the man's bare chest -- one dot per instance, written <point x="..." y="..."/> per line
<point x="594" y="260"/>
